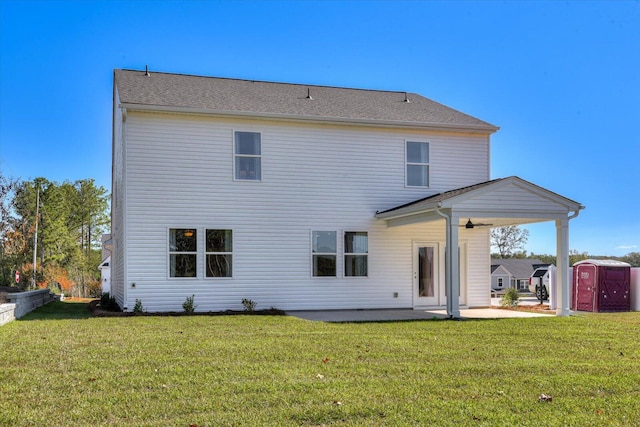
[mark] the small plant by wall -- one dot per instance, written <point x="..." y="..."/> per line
<point x="138" y="308"/>
<point x="249" y="305"/>
<point x="188" y="306"/>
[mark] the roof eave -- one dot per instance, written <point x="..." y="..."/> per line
<point x="409" y="210"/>
<point x="484" y="129"/>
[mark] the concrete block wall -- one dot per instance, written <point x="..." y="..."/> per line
<point x="7" y="313"/>
<point x="26" y="302"/>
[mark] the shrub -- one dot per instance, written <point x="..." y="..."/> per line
<point x="510" y="298"/>
<point x="249" y="305"/>
<point x="188" y="305"/>
<point x="138" y="308"/>
<point x="108" y="302"/>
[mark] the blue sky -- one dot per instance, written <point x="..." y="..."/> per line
<point x="561" y="79"/>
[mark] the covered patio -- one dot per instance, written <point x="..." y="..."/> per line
<point x="496" y="203"/>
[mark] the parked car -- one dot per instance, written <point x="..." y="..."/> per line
<point x="539" y="282"/>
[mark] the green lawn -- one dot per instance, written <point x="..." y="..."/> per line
<point x="62" y="367"/>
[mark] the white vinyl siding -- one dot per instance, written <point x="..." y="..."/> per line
<point x="328" y="177"/>
<point x="118" y="207"/>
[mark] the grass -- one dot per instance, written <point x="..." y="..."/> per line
<point x="61" y="367"/>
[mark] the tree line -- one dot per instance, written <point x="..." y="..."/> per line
<point x="64" y="223"/>
<point x="510" y="241"/>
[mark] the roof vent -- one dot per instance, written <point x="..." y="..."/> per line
<point x="146" y="71"/>
<point x="309" y="94"/>
<point x="406" y="98"/>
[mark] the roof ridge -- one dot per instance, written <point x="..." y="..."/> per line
<point x="278" y="83"/>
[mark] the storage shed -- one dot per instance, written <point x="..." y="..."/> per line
<point x="601" y="285"/>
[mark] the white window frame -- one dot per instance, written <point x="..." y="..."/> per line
<point x="314" y="254"/>
<point x="500" y="282"/>
<point x="206" y="253"/>
<point x="170" y="252"/>
<point x="237" y="155"/>
<point x="408" y="163"/>
<point x="345" y="254"/>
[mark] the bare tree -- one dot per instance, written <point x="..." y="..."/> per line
<point x="509" y="240"/>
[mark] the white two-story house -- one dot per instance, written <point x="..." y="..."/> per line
<point x="306" y="197"/>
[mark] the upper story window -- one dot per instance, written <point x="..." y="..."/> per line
<point x="218" y="253"/>
<point x="356" y="253"/>
<point x="247" y="153"/>
<point x="417" y="164"/>
<point x="324" y="249"/>
<point x="183" y="251"/>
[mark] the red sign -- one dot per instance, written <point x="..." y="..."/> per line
<point x="17" y="277"/>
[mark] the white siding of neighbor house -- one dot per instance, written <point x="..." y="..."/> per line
<point x="500" y="273"/>
<point x="178" y="173"/>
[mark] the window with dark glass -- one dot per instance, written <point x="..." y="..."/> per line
<point x="324" y="249"/>
<point x="417" y="164"/>
<point x="183" y="252"/>
<point x="248" y="156"/>
<point x="356" y="253"/>
<point x="219" y="253"/>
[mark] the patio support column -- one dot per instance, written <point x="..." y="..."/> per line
<point x="452" y="262"/>
<point x="563" y="289"/>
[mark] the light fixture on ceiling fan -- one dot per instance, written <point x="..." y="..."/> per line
<point x="470" y="225"/>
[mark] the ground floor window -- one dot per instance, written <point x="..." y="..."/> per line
<point x="183" y="252"/>
<point x="356" y="250"/>
<point x="324" y="252"/>
<point x="219" y="253"/>
<point x="500" y="282"/>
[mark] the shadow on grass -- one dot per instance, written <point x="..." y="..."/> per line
<point x="57" y="310"/>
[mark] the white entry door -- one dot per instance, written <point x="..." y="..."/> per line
<point x="428" y="274"/>
<point x="427" y="287"/>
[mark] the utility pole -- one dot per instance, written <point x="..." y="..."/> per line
<point x="35" y="238"/>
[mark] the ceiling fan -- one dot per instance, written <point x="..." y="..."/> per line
<point x="470" y="225"/>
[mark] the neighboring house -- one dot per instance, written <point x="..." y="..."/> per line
<point x="306" y="197"/>
<point x="105" y="274"/>
<point x="105" y="265"/>
<point x="512" y="273"/>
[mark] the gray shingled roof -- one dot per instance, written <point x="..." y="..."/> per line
<point x="519" y="268"/>
<point x="444" y="195"/>
<point x="181" y="92"/>
<point x="431" y="201"/>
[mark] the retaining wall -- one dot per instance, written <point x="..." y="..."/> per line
<point x="7" y="313"/>
<point x="25" y="302"/>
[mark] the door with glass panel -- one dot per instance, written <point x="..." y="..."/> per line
<point x="426" y="278"/>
